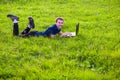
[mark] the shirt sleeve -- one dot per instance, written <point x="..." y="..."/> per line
<point x="52" y="30"/>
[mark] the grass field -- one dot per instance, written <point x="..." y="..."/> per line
<point x="92" y="55"/>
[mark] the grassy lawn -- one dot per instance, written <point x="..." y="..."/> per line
<point x="92" y="55"/>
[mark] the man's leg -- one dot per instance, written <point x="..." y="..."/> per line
<point x="30" y="25"/>
<point x="31" y="33"/>
<point x="15" y="20"/>
<point x="15" y="29"/>
<point x="26" y="32"/>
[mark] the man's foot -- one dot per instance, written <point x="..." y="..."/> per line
<point x="31" y="22"/>
<point x="12" y="17"/>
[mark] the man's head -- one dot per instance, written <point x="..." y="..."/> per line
<point x="59" y="22"/>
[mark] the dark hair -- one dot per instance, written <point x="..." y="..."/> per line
<point x="59" y="18"/>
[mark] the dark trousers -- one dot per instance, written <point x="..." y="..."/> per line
<point x="15" y="29"/>
<point x="25" y="33"/>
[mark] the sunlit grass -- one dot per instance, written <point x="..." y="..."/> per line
<point x="92" y="55"/>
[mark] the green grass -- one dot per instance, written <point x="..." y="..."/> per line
<point x="92" y="55"/>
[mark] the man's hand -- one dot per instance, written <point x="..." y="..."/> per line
<point x="66" y="34"/>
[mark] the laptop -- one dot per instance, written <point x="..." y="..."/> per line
<point x="76" y="31"/>
<point x="72" y="34"/>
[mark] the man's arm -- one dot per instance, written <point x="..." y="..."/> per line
<point x="52" y="36"/>
<point x="66" y="34"/>
<point x="60" y="34"/>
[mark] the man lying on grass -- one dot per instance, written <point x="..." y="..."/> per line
<point x="49" y="32"/>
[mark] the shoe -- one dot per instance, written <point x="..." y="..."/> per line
<point x="77" y="29"/>
<point x="31" y="22"/>
<point x="12" y="17"/>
